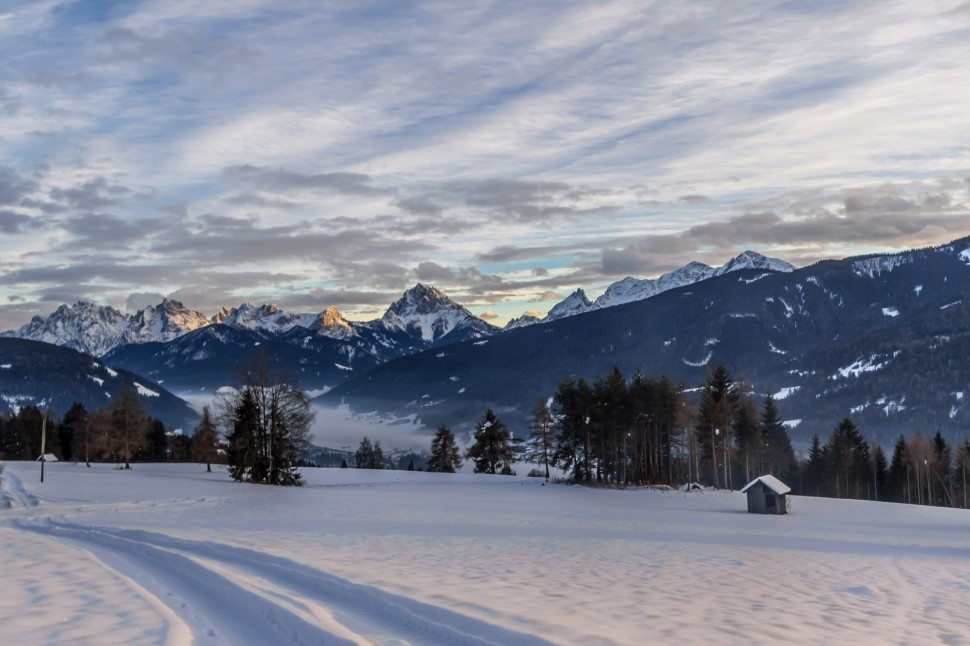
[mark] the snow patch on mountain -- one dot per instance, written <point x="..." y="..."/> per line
<point x="144" y="391"/>
<point x="702" y="362"/>
<point x="965" y="255"/>
<point x="891" y="312"/>
<point x="873" y="267"/>
<point x="784" y="393"/>
<point x="890" y="406"/>
<point x="858" y="367"/>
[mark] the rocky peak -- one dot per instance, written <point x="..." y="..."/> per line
<point x="575" y="303"/>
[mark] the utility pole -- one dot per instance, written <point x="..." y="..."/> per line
<point x="43" y="445"/>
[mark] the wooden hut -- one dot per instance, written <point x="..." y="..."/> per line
<point x="767" y="495"/>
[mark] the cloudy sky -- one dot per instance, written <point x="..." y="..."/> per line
<point x="314" y="153"/>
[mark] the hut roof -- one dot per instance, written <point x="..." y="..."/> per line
<point x="771" y="482"/>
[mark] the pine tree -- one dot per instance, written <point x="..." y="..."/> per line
<point x="156" y="442"/>
<point x="897" y="480"/>
<point x="573" y="401"/>
<point x="205" y="441"/>
<point x="779" y="454"/>
<point x="541" y="444"/>
<point x="445" y="454"/>
<point x="73" y="433"/>
<point x="718" y="405"/>
<point x="369" y="456"/>
<point x="492" y="450"/>
<point x="815" y="468"/>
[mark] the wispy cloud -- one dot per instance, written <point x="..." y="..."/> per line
<point x="507" y="151"/>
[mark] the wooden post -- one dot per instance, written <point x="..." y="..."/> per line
<point x="43" y="445"/>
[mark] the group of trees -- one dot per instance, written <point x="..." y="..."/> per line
<point x="120" y="432"/>
<point x="922" y="470"/>
<point x="649" y="431"/>
<point x="265" y="431"/>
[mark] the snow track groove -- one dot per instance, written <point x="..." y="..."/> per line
<point x="234" y="595"/>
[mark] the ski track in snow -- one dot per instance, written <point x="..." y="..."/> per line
<point x="221" y="594"/>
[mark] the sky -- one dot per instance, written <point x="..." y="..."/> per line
<point x="315" y="154"/>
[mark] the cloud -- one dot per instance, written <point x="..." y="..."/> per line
<point x="14" y="188"/>
<point x="284" y="181"/>
<point x="880" y="216"/>
<point x="694" y="199"/>
<point x="488" y="315"/>
<point x="12" y="222"/>
<point x="140" y="300"/>
<point x="261" y="201"/>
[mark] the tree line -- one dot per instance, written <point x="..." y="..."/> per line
<point x="644" y="430"/>
<point x="120" y="432"/>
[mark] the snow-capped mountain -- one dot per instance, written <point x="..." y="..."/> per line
<point x="575" y="303"/>
<point x="84" y="327"/>
<point x="164" y="322"/>
<point x="266" y="318"/>
<point x="96" y="329"/>
<point x="632" y="289"/>
<point x="835" y="339"/>
<point x="332" y="323"/>
<point x="522" y="321"/>
<point x="754" y="260"/>
<point x="426" y="313"/>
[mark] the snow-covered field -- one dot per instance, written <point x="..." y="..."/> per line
<point x="169" y="554"/>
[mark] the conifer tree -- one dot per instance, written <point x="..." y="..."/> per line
<point x="897" y="480"/>
<point x="492" y="450"/>
<point x="718" y="405"/>
<point x="445" y="454"/>
<point x="205" y="441"/>
<point x="369" y="456"/>
<point x="779" y="454"/>
<point x="541" y="443"/>
<point x="815" y="468"/>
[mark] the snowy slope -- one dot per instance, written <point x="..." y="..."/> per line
<point x="171" y="554"/>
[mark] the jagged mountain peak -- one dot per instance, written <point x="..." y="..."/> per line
<point x="423" y="299"/>
<point x="168" y="320"/>
<point x="575" y="303"/>
<point x="427" y="312"/>
<point x="522" y="321"/>
<point x="83" y="326"/>
<point x="332" y="323"/>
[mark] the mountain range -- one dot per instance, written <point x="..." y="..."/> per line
<point x="881" y="339"/>
<point x="878" y="338"/>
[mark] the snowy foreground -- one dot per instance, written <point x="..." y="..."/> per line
<point x="169" y="554"/>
